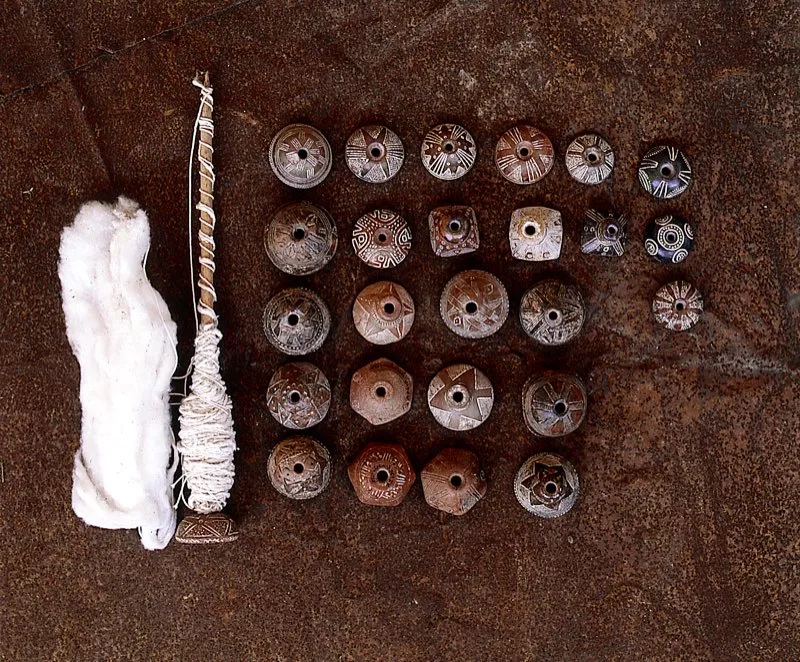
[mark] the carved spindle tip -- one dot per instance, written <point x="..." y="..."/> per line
<point x="206" y="529"/>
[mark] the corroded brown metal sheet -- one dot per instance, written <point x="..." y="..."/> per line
<point x="684" y="540"/>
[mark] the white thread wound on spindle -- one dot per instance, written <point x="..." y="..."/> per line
<point x="207" y="440"/>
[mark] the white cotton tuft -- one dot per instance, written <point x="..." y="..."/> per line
<point x="124" y="339"/>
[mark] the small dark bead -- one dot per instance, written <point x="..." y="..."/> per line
<point x="669" y="239"/>
<point x="604" y="234"/>
<point x="664" y="172"/>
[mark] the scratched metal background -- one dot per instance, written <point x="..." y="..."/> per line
<point x="685" y="543"/>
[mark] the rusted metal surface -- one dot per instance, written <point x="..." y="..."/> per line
<point x="683" y="542"/>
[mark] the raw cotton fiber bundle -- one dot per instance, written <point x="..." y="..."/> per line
<point x="124" y="339"/>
